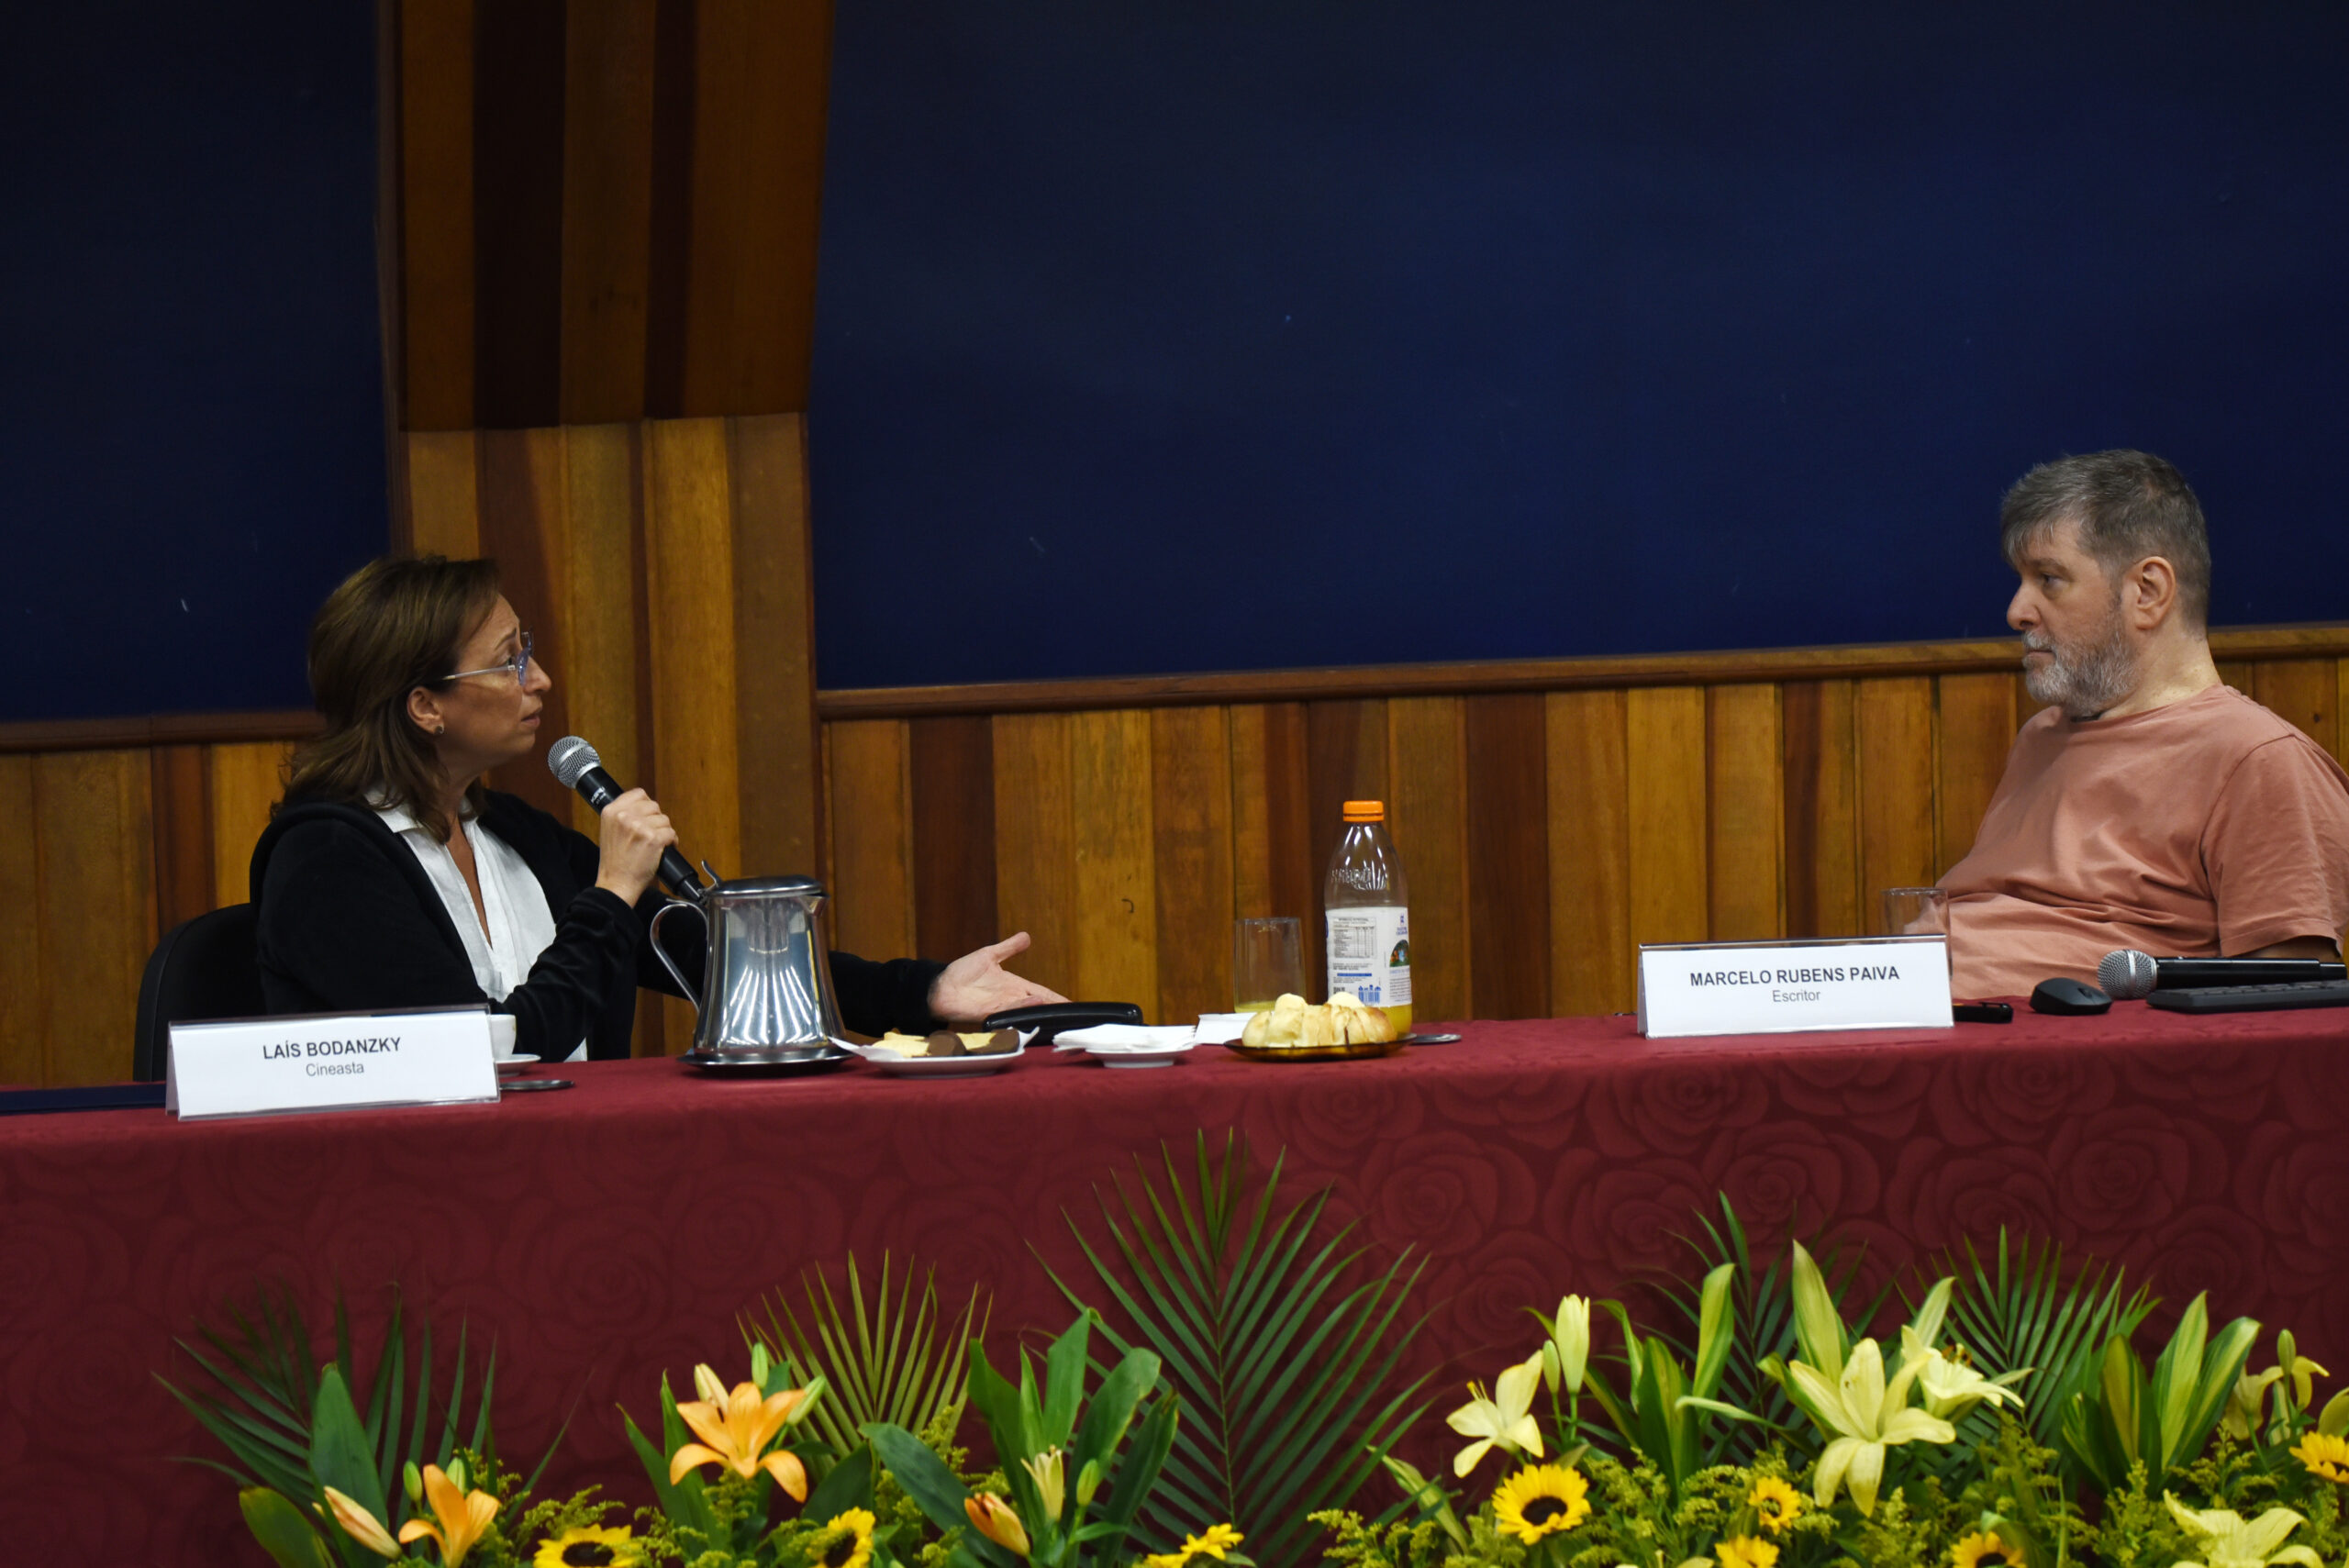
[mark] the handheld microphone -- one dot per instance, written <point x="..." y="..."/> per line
<point x="576" y="765"/>
<point x="2128" y="974"/>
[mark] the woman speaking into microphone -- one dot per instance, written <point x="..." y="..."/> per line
<point x="389" y="877"/>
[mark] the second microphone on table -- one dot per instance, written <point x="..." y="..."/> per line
<point x="2128" y="974"/>
<point x="576" y="765"/>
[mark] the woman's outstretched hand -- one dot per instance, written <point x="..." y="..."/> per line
<point x="633" y="835"/>
<point x="977" y="984"/>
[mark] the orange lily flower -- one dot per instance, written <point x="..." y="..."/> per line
<point x="992" y="1518"/>
<point x="360" y="1525"/>
<point x="463" y="1516"/>
<point x="738" y="1435"/>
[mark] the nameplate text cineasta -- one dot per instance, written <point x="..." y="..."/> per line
<point x="441" y="1056"/>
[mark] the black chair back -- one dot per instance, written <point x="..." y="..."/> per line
<point x="203" y="968"/>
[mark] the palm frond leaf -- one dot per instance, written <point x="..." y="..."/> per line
<point x="2024" y="1309"/>
<point x="1280" y="1336"/>
<point x="894" y="1362"/>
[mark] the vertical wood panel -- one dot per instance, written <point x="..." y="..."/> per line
<point x="873" y="893"/>
<point x="1822" y="822"/>
<point x="760" y="68"/>
<point x="1117" y="894"/>
<point x="1746" y="766"/>
<point x="1893" y="719"/>
<point x="1035" y="850"/>
<point x="1508" y="856"/>
<point x="23" y="939"/>
<point x="606" y="208"/>
<point x="952" y="764"/>
<point x="604" y="494"/>
<point x="1428" y="819"/>
<point x="776" y="669"/>
<point x="525" y="524"/>
<point x="1252" y="833"/>
<point x="2243" y="674"/>
<point x="444" y="493"/>
<point x="689" y="591"/>
<point x="180" y="788"/>
<point x="436" y="119"/>
<point x="1977" y="726"/>
<point x="1665" y="765"/>
<point x="2305" y="692"/>
<point x="1346" y="759"/>
<point x="1590" y="852"/>
<point x="246" y="782"/>
<point x="518" y="122"/>
<point x="96" y="906"/>
<point x="1190" y="764"/>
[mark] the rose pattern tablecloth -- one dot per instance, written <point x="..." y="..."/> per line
<point x="610" y="1234"/>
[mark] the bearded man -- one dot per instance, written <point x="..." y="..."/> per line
<point x="2149" y="805"/>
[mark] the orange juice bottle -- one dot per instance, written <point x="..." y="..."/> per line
<point x="1367" y="916"/>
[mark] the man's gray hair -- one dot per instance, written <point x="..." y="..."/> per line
<point x="2129" y="504"/>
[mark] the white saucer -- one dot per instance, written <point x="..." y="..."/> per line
<point x="515" y="1063"/>
<point x="1130" y="1045"/>
<point x="897" y="1066"/>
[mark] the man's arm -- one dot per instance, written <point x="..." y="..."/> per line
<point x="2299" y="947"/>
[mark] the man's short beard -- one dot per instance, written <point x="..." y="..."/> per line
<point x="2084" y="679"/>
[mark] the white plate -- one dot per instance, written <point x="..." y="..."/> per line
<point x="1215" y="1029"/>
<point x="1130" y="1045"/>
<point x="515" y="1063"/>
<point x="897" y="1066"/>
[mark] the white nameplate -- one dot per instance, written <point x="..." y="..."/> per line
<point x="1879" y="983"/>
<point x="322" y="1062"/>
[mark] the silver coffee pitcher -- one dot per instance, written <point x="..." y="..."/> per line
<point x="766" y="989"/>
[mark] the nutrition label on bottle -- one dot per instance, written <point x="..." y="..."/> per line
<point x="1370" y="955"/>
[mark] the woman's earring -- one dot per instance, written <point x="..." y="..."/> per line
<point x="440" y="729"/>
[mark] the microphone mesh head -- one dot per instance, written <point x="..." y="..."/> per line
<point x="569" y="760"/>
<point x="2127" y="975"/>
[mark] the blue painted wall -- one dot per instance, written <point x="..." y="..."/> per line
<point x="191" y="405"/>
<point x="1160" y="335"/>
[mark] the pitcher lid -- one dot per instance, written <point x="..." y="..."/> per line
<point x="794" y="885"/>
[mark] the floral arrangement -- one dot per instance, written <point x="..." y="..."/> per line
<point x="1911" y="1453"/>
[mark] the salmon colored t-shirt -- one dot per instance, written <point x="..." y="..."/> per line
<point x="2208" y="826"/>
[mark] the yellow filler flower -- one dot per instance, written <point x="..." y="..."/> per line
<point x="1745" y="1552"/>
<point x="737" y="1435"/>
<point x="992" y="1518"/>
<point x="850" y="1542"/>
<point x="462" y="1517"/>
<point x="1505" y="1418"/>
<point x="1776" y="1504"/>
<point x="360" y="1525"/>
<point x="586" y="1546"/>
<point x="1983" y="1549"/>
<point x="1541" y="1500"/>
<point x="1219" y="1540"/>
<point x="2226" y="1542"/>
<point x="2324" y="1455"/>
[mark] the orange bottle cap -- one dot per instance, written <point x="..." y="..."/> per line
<point x="1365" y="811"/>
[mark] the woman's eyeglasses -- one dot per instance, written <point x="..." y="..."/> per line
<point x="519" y="666"/>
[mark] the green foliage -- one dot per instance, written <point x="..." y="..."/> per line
<point x="2126" y="1417"/>
<point x="1279" y="1364"/>
<point x="1668" y="1414"/>
<point x="889" y="1363"/>
<point x="2023" y="1312"/>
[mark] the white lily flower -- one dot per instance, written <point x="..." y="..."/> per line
<point x="2227" y="1542"/>
<point x="1505" y="1418"/>
<point x="1866" y="1415"/>
<point x="1950" y="1389"/>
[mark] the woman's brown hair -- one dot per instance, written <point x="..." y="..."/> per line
<point x="395" y="625"/>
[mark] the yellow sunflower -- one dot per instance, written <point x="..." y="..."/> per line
<point x="1744" y="1552"/>
<point x="1774" y="1504"/>
<point x="1219" y="1540"/>
<point x="2325" y="1456"/>
<point x="585" y="1547"/>
<point x="1541" y="1499"/>
<point x="847" y="1541"/>
<point x="1983" y="1549"/>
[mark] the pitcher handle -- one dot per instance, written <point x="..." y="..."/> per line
<point x="693" y="991"/>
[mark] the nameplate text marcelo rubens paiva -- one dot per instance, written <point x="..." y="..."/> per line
<point x="1780" y="987"/>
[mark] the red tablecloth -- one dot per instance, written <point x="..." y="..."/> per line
<point x="610" y="1233"/>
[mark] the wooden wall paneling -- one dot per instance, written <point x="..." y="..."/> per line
<point x="1977" y="718"/>
<point x="1893" y="721"/>
<point x="604" y="499"/>
<point x="1746" y="768"/>
<point x="1509" y="855"/>
<point x="1427" y="774"/>
<point x="1251" y="829"/>
<point x="1821" y="805"/>
<point x="436" y="132"/>
<point x="951" y="763"/>
<point x="519" y="59"/>
<point x="2305" y="692"/>
<point x="871" y="821"/>
<point x="24" y="935"/>
<point x="1035" y="848"/>
<point x="606" y="206"/>
<point x="761" y="70"/>
<point x="1115" y="881"/>
<point x="1273" y="870"/>
<point x="526" y="525"/>
<point x="180" y="788"/>
<point x="775" y="614"/>
<point x="2243" y="674"/>
<point x="1191" y="815"/>
<point x="1587" y="774"/>
<point x="1664" y="768"/>
<point x="1346" y="759"/>
<point x="444" y="493"/>
<point x="245" y="782"/>
<point x="96" y="906"/>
